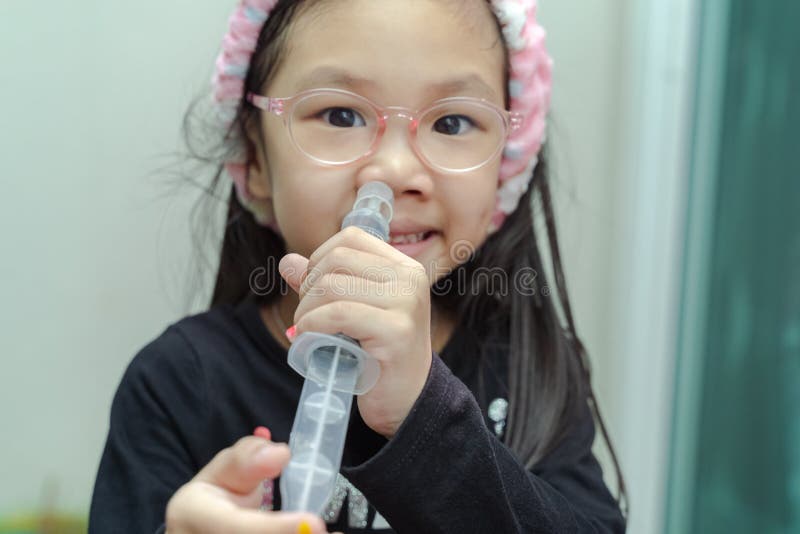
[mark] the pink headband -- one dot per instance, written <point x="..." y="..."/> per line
<point x="529" y="89"/>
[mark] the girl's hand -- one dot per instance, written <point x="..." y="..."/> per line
<point x="356" y="284"/>
<point x="225" y="494"/>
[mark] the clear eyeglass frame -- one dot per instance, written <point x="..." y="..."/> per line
<point x="282" y="107"/>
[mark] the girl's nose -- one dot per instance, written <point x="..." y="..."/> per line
<point x="395" y="162"/>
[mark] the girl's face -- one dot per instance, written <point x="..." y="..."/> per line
<point x="402" y="49"/>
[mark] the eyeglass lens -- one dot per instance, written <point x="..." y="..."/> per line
<point x="339" y="128"/>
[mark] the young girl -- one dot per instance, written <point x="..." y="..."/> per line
<point x="483" y="417"/>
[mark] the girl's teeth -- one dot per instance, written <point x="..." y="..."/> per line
<point x="407" y="238"/>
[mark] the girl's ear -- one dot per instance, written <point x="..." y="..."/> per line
<point x="259" y="183"/>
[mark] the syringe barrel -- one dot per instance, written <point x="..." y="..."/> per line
<point x="335" y="367"/>
<point x="318" y="434"/>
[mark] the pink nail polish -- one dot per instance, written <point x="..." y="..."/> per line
<point x="291" y="332"/>
<point x="263" y="432"/>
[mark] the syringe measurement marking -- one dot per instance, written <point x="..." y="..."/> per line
<point x="320" y="426"/>
<point x="333" y="410"/>
<point x="313" y="468"/>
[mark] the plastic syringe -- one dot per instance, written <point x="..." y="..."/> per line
<point x="335" y="368"/>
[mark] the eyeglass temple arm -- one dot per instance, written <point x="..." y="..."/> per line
<point x="516" y="120"/>
<point x="272" y="105"/>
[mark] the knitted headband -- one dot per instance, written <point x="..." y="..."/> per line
<point x="529" y="89"/>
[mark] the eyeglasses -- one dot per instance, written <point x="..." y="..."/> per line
<point x="336" y="127"/>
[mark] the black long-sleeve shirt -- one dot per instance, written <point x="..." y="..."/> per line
<point x="210" y="379"/>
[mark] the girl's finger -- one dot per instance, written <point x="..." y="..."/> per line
<point x="293" y="268"/>
<point x="352" y="262"/>
<point x="242" y="467"/>
<point x="333" y="287"/>
<point x="356" y="238"/>
<point x="202" y="510"/>
<point x="359" y="321"/>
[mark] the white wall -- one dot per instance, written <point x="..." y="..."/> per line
<point x="624" y="94"/>
<point x="94" y="244"/>
<point x="93" y="93"/>
<point x="587" y="41"/>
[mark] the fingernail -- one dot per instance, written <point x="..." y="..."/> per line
<point x="263" y="432"/>
<point x="304" y="528"/>
<point x="291" y="332"/>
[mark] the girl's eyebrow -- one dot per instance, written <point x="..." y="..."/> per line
<point x="327" y="76"/>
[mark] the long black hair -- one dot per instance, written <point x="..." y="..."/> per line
<point x="548" y="369"/>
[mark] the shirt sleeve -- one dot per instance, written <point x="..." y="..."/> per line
<point x="445" y="471"/>
<point x="157" y="407"/>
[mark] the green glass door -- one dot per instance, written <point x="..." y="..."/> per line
<point x="735" y="462"/>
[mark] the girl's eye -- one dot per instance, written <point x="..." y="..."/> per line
<point x="343" y="117"/>
<point x="453" y="124"/>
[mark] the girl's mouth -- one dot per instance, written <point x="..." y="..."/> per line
<point x="411" y="244"/>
